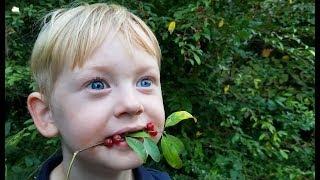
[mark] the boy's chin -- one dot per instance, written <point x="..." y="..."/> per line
<point x="120" y="163"/>
<point x="114" y="159"/>
<point x="127" y="166"/>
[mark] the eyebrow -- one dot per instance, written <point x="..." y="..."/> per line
<point x="109" y="69"/>
<point x="143" y="69"/>
<point x="84" y="73"/>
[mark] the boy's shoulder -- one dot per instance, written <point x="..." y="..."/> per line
<point x="144" y="173"/>
<point x="48" y="166"/>
<point x="140" y="173"/>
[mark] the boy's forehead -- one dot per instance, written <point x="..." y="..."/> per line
<point x="116" y="68"/>
<point x="115" y="43"/>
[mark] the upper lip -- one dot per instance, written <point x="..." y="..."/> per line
<point x="127" y="130"/>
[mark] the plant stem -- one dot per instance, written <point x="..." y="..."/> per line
<point x="74" y="156"/>
<point x="76" y="153"/>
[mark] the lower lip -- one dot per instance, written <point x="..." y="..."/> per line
<point x="121" y="145"/>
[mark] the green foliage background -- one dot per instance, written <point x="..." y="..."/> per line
<point x="255" y="110"/>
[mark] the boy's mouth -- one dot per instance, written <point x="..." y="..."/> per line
<point x="119" y="137"/>
<point x="122" y="133"/>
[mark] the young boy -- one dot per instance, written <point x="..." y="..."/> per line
<point x="97" y="70"/>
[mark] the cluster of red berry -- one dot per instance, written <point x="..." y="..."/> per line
<point x="116" y="139"/>
<point x="150" y="129"/>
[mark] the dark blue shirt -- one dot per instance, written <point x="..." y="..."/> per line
<point x="140" y="173"/>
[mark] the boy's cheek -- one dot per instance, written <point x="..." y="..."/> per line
<point x="160" y="121"/>
<point x="77" y="131"/>
<point x="78" y="137"/>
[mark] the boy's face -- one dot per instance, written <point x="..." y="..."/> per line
<point x="114" y="92"/>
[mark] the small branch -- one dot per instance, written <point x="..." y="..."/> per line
<point x="75" y="154"/>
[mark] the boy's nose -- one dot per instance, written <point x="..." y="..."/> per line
<point x="128" y="104"/>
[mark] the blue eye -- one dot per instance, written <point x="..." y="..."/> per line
<point x="144" y="83"/>
<point x="98" y="84"/>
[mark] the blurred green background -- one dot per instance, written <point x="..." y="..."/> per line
<point x="244" y="69"/>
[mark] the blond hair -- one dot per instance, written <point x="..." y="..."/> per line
<point x="70" y="35"/>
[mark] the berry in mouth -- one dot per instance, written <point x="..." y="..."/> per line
<point x="113" y="140"/>
<point x="108" y="142"/>
<point x="153" y="133"/>
<point x="150" y="127"/>
<point x="117" y="139"/>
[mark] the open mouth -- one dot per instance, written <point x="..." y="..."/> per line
<point x="115" y="139"/>
<point x="118" y="139"/>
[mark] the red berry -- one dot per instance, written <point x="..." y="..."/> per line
<point x="153" y="133"/>
<point x="117" y="139"/>
<point x="150" y="126"/>
<point x="108" y="142"/>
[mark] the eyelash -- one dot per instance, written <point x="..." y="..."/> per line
<point x="147" y="78"/>
<point x="105" y="83"/>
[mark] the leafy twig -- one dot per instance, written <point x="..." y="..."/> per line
<point x="75" y="154"/>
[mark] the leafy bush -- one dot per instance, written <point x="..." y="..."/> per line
<point x="244" y="69"/>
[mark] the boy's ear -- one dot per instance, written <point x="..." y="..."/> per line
<point x="41" y="115"/>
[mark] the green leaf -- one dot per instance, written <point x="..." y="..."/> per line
<point x="13" y="140"/>
<point x="29" y="121"/>
<point x="152" y="149"/>
<point x="31" y="127"/>
<point x="262" y="136"/>
<point x="6" y="171"/>
<point x="196" y="57"/>
<point x="139" y="134"/>
<point x="170" y="153"/>
<point x="28" y="161"/>
<point x="234" y="174"/>
<point x="178" y="116"/>
<point x="175" y="143"/>
<point x="283" y="154"/>
<point x="312" y="52"/>
<point x="137" y="147"/>
<point x="196" y="36"/>
<point x="256" y="83"/>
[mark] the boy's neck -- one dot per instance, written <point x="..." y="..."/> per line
<point x="59" y="173"/>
